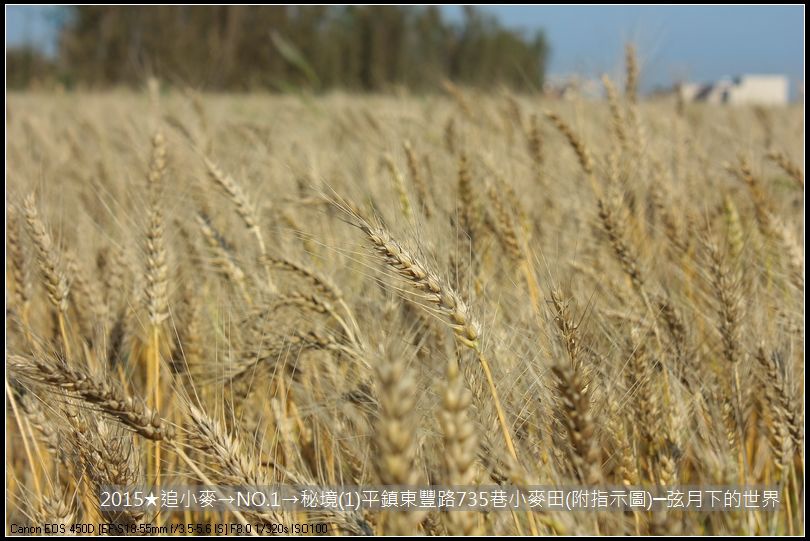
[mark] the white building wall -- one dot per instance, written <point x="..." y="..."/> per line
<point x="689" y="91"/>
<point x="760" y="90"/>
<point x="748" y="89"/>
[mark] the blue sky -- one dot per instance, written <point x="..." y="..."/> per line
<point x="697" y="43"/>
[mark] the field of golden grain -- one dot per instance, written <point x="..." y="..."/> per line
<point x="465" y="289"/>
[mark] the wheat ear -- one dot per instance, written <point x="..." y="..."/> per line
<point x="52" y="270"/>
<point x="246" y="211"/>
<point x="157" y="304"/>
<point x="452" y="309"/>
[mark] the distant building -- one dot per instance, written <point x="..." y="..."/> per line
<point x="746" y="89"/>
<point x="572" y="87"/>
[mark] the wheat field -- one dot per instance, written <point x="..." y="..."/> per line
<point x="457" y="289"/>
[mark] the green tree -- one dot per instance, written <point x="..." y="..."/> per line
<point x="367" y="48"/>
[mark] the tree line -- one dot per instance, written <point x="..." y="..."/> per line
<point x="361" y="48"/>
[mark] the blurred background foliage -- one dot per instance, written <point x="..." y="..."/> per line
<point x="313" y="48"/>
